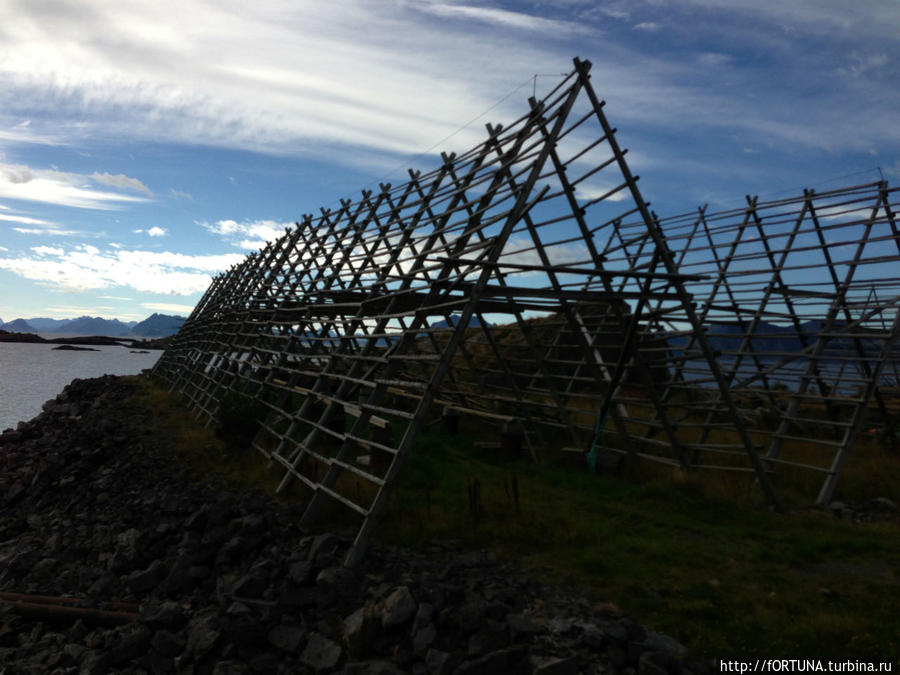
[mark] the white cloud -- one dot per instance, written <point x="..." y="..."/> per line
<point x="47" y="250"/>
<point x="391" y="80"/>
<point x="504" y="18"/>
<point x="715" y="59"/>
<point x="25" y="220"/>
<point x="648" y="26"/>
<point x="86" y="268"/>
<point x="520" y="251"/>
<point x="20" y="133"/>
<point x="180" y="194"/>
<point x="121" y="181"/>
<point x="395" y="77"/>
<point x="18" y="181"/>
<point x="239" y="234"/>
<point x="157" y="231"/>
<point x="3" y="248"/>
<point x="52" y="231"/>
<point x="62" y="312"/>
<point x="586" y="192"/>
<point x="168" y="307"/>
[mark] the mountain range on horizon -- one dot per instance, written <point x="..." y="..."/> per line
<point x="155" y="325"/>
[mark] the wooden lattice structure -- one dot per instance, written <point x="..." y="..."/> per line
<point x="527" y="282"/>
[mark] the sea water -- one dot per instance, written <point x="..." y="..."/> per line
<point x="31" y="374"/>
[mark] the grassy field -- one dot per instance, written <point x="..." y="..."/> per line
<point x="707" y="563"/>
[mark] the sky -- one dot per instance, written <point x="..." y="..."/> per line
<point x="146" y="146"/>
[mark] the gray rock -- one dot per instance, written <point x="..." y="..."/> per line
<point x="265" y="664"/>
<point x="320" y="653"/>
<point x="521" y="625"/>
<point x="439" y="662"/>
<point x="359" y="630"/>
<point x="288" y="637"/>
<point x="230" y="668"/>
<point x="884" y="504"/>
<point x="301" y="572"/>
<point x="397" y="608"/>
<point x="652" y="663"/>
<point x="128" y="543"/>
<point x="324" y="548"/>
<point x="74" y="651"/>
<point x="663" y="644"/>
<point x="424" y="615"/>
<point x="168" y="644"/>
<point x="203" y="635"/>
<point x="510" y="660"/>
<point x="250" y="585"/>
<point x="372" y="668"/>
<point x="148" y="579"/>
<point x="179" y="578"/>
<point x="424" y="638"/>
<point x="167" y="616"/>
<point x="593" y="637"/>
<point x="238" y="609"/>
<point x="557" y="666"/>
<point x="491" y="637"/>
<point x="93" y="663"/>
<point x="132" y="644"/>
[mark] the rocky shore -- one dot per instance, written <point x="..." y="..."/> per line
<point x="114" y="558"/>
<point x="102" y="340"/>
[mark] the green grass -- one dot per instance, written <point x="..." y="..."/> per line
<point x="725" y="575"/>
<point x="709" y="563"/>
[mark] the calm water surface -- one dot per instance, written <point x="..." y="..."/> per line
<point x="33" y="373"/>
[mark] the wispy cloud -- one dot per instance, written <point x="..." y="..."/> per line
<point x="25" y="220"/>
<point x="121" y="181"/>
<point x="67" y="311"/>
<point x="133" y="71"/>
<point x="53" y="231"/>
<point x="21" y="133"/>
<point x="18" y="181"/>
<point x="47" y="250"/>
<point x="168" y="307"/>
<point x="504" y="18"/>
<point x="250" y="235"/>
<point x="365" y="78"/>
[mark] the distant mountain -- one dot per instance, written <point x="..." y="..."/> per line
<point x="772" y="338"/>
<point x="87" y="325"/>
<point x="454" y="318"/>
<point x="47" y="325"/>
<point x="18" y="326"/>
<point x="158" y="325"/>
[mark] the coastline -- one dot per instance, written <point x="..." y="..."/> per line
<point x="97" y="508"/>
<point x="131" y="342"/>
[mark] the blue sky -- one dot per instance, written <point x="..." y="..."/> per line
<point x="144" y="146"/>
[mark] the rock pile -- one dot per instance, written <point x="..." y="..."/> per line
<point x="226" y="583"/>
<point x="878" y="509"/>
